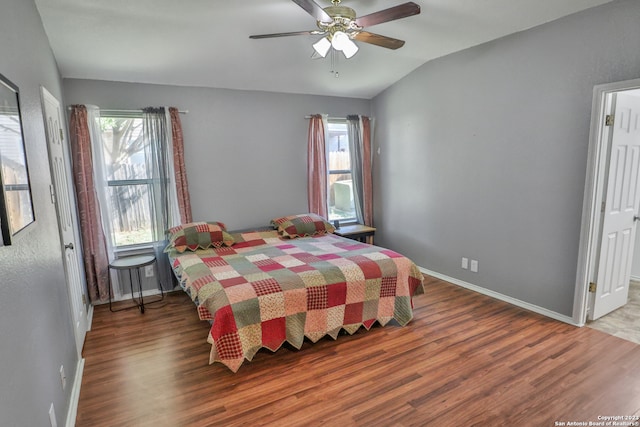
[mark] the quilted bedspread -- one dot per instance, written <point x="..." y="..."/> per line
<point x="264" y="290"/>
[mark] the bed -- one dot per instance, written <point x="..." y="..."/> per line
<point x="260" y="289"/>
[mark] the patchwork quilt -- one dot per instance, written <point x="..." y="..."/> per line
<point x="265" y="290"/>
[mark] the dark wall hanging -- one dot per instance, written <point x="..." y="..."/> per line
<point x="16" y="205"/>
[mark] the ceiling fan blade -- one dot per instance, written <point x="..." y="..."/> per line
<point x="314" y="10"/>
<point x="391" y="14"/>
<point x="294" y="33"/>
<point x="378" y="40"/>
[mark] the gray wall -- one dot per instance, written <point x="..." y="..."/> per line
<point x="36" y="335"/>
<point x="635" y="265"/>
<point x="245" y="151"/>
<point x="483" y="153"/>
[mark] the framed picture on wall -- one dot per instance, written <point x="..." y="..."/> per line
<point x="16" y="205"/>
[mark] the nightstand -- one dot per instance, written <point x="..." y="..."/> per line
<point x="134" y="263"/>
<point x="359" y="232"/>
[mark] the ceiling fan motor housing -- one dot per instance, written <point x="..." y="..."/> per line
<point x="343" y="20"/>
<point x="340" y="12"/>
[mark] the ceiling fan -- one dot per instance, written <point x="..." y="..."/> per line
<point x="341" y="26"/>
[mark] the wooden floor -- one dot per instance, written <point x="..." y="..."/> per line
<point x="465" y="360"/>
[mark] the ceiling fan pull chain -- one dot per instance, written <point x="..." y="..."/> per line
<point x="334" y="63"/>
<point x="334" y="58"/>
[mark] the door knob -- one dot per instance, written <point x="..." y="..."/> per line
<point x="68" y="246"/>
<point x="635" y="218"/>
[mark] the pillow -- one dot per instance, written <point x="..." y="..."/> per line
<point x="309" y="224"/>
<point x="198" y="235"/>
<point x="177" y="228"/>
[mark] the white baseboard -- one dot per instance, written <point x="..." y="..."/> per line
<point x="74" y="399"/>
<point x="501" y="297"/>
<point x="635" y="278"/>
<point x="125" y="297"/>
<point x="89" y="317"/>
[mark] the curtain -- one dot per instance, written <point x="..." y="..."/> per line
<point x="367" y="181"/>
<point x="100" y="174"/>
<point x="359" y="130"/>
<point x="94" y="246"/>
<point x="182" y="188"/>
<point x="317" y="180"/>
<point x="160" y="167"/>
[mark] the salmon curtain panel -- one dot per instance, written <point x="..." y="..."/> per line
<point x="182" y="186"/>
<point x="317" y="166"/>
<point x="359" y="129"/>
<point x="94" y="246"/>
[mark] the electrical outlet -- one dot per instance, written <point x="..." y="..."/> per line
<point x="63" y="377"/>
<point x="465" y="263"/>
<point x="52" y="416"/>
<point x="474" y="265"/>
<point x="148" y="271"/>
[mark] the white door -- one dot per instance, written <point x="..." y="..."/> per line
<point x="621" y="208"/>
<point x="65" y="208"/>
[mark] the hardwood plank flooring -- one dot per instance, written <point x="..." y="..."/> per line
<point x="465" y="360"/>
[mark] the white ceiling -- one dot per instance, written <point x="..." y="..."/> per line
<point x="206" y="42"/>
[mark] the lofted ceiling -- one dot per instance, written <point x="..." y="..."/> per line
<point x="206" y="42"/>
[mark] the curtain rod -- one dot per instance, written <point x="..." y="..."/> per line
<point x="111" y="110"/>
<point x="328" y="117"/>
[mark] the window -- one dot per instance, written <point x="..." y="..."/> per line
<point x="126" y="154"/>
<point x="341" y="203"/>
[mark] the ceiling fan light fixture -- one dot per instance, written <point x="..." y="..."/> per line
<point x="349" y="49"/>
<point x="322" y="46"/>
<point x="339" y="40"/>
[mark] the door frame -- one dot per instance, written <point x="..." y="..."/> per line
<point x="595" y="181"/>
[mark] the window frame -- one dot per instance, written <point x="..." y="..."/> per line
<point x="349" y="220"/>
<point x="123" y="183"/>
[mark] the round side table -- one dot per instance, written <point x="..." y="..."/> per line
<point x="132" y="263"/>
